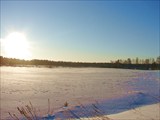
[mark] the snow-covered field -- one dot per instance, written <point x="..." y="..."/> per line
<point x="148" y="112"/>
<point x="116" y="90"/>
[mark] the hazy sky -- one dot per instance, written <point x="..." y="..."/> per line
<point x="94" y="31"/>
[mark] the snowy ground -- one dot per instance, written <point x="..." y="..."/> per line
<point x="110" y="87"/>
<point x="149" y="112"/>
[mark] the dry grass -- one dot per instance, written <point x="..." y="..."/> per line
<point x="29" y="113"/>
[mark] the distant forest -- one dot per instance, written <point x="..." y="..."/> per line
<point x="142" y="64"/>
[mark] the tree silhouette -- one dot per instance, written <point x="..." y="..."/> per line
<point x="126" y="64"/>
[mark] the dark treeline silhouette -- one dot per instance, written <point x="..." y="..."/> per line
<point x="143" y="64"/>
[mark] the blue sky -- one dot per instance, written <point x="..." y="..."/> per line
<point x="88" y="31"/>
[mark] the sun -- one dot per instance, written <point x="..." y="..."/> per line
<point x="16" y="46"/>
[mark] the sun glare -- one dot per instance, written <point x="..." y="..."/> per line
<point x="16" y="46"/>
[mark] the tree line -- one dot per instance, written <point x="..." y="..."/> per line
<point x="143" y="64"/>
<point x="138" y="61"/>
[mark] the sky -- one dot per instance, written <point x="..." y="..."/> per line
<point x="84" y="31"/>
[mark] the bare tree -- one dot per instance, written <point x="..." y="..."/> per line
<point x="158" y="60"/>
<point x="137" y="60"/>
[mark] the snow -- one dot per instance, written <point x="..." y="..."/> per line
<point x="149" y="112"/>
<point x="110" y="87"/>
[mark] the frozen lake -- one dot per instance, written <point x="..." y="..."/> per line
<point x="19" y="85"/>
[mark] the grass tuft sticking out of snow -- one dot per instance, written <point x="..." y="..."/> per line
<point x="28" y="112"/>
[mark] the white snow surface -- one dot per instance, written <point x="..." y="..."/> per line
<point x="19" y="85"/>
